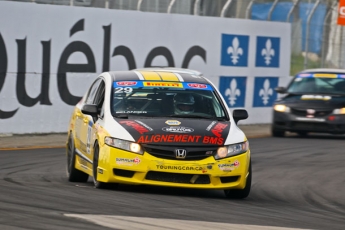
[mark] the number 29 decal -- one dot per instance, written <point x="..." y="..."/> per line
<point x="123" y="90"/>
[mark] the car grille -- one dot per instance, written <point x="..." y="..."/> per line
<point x="168" y="152"/>
<point x="318" y="112"/>
<point x="123" y="173"/>
<point x="177" y="177"/>
<point x="229" y="179"/>
<point x="312" y="126"/>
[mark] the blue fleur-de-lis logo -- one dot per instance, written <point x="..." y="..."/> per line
<point x="235" y="50"/>
<point x="233" y="92"/>
<point x="267" y="52"/>
<point x="264" y="95"/>
<point x="266" y="92"/>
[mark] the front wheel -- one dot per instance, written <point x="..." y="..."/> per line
<point x="73" y="174"/>
<point x="97" y="183"/>
<point x="241" y="193"/>
<point x="277" y="133"/>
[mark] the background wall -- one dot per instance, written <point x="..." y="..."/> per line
<point x="49" y="55"/>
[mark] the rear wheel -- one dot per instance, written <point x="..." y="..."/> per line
<point x="240" y="193"/>
<point x="73" y="174"/>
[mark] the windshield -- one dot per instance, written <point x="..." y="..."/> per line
<point x="320" y="83"/>
<point x="170" y="99"/>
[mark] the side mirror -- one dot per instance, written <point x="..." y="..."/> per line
<point x="239" y="114"/>
<point x="89" y="110"/>
<point x="280" y="89"/>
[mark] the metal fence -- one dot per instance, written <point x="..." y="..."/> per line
<point x="316" y="39"/>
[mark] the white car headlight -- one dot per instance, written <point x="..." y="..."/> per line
<point x="281" y="108"/>
<point x="125" y="145"/>
<point x="339" y="111"/>
<point x="232" y="150"/>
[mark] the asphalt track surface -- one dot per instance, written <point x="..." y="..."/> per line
<point x="297" y="183"/>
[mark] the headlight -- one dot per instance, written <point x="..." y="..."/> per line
<point x="339" y="111"/>
<point x="125" y="145"/>
<point x="232" y="150"/>
<point x="281" y="108"/>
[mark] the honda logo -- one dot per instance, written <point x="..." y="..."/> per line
<point x="180" y="153"/>
<point x="310" y="113"/>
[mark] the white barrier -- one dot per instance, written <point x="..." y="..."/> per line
<point x="49" y="55"/>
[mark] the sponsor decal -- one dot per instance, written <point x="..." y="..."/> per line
<point x="172" y="122"/>
<point x="305" y="75"/>
<point x="180" y="168"/>
<point x="178" y="129"/>
<point x="171" y="138"/>
<point x="229" y="167"/>
<point x="137" y="112"/>
<point x="197" y="86"/>
<point x="128" y="161"/>
<point x="218" y="129"/>
<point x="325" y="75"/>
<point x="211" y="125"/>
<point x="163" y="84"/>
<point x="141" y="129"/>
<point x="126" y="83"/>
<point x="143" y="124"/>
<point x="316" y="97"/>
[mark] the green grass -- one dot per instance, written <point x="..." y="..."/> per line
<point x="297" y="64"/>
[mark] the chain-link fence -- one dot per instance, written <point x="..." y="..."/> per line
<point x="317" y="40"/>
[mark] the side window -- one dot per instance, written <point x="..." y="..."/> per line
<point x="99" y="98"/>
<point x="92" y="92"/>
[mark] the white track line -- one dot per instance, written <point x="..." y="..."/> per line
<point x="144" y="223"/>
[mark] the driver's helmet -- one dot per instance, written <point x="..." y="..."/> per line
<point x="183" y="103"/>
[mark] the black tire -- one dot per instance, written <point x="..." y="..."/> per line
<point x="98" y="184"/>
<point x="302" y="133"/>
<point x="73" y="174"/>
<point x="277" y="133"/>
<point x="241" y="193"/>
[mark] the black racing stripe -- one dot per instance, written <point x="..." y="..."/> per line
<point x="159" y="75"/>
<point x="124" y="76"/>
<point x="188" y="78"/>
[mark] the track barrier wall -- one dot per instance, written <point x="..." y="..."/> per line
<point x="49" y="55"/>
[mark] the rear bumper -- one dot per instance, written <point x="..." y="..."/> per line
<point x="293" y="123"/>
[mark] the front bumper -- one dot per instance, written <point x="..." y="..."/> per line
<point x="119" y="166"/>
<point x="334" y="124"/>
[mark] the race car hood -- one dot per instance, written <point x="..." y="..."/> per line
<point x="184" y="131"/>
<point x="313" y="101"/>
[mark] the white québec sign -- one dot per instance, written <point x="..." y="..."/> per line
<point x="49" y="55"/>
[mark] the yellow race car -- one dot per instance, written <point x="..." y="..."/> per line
<point x="158" y="126"/>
